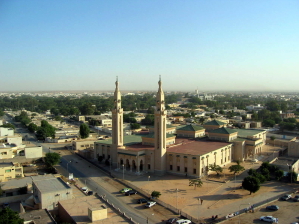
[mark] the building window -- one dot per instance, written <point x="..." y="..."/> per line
<point x="7" y="171"/>
<point x="178" y="168"/>
<point x="194" y="171"/>
<point x="148" y="166"/>
<point x="186" y="169"/>
<point x="170" y="167"/>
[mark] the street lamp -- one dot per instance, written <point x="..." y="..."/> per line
<point x="148" y="178"/>
<point x="235" y="181"/>
<point x="177" y="198"/>
<point x="198" y="209"/>
<point x="110" y="161"/>
<point x="123" y="171"/>
<point x="67" y="167"/>
<point x="240" y="211"/>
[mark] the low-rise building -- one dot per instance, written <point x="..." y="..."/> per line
<point x="86" y="210"/>
<point x="49" y="190"/>
<point x="10" y="171"/>
<point x="6" y="131"/>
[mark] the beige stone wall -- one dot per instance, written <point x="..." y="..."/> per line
<point x="223" y="137"/>
<point x="195" y="165"/>
<point x="191" y="134"/>
<point x="293" y="148"/>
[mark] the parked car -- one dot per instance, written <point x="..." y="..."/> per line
<point x="150" y="204"/>
<point x="84" y="189"/>
<point x="90" y="193"/>
<point x="6" y="205"/>
<point x="124" y="190"/>
<point x="286" y="197"/>
<point x="171" y="220"/>
<point x="130" y="192"/>
<point x="141" y="201"/>
<point x="267" y="218"/>
<point x="296" y="198"/>
<point x="272" y="207"/>
<point x="181" y="221"/>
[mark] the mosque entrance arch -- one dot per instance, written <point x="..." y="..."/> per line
<point x="141" y="165"/>
<point x="128" y="164"/>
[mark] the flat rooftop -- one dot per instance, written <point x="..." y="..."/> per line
<point x="6" y="164"/>
<point x="248" y="132"/>
<point x="50" y="184"/>
<point x="38" y="216"/>
<point x="77" y="208"/>
<point x="128" y="140"/>
<point x="193" y="147"/>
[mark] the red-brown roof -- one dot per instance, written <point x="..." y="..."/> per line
<point x="192" y="147"/>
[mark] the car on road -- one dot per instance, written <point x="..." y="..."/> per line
<point x="150" y="204"/>
<point x="84" y="189"/>
<point x="267" y="218"/>
<point x="141" y="201"/>
<point x="124" y="190"/>
<point x="181" y="221"/>
<point x="296" y="198"/>
<point x="130" y="192"/>
<point x="272" y="207"/>
<point x="286" y="197"/>
<point x="171" y="220"/>
<point x="90" y="193"/>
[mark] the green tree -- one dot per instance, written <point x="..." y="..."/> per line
<point x="135" y="126"/>
<point x="201" y="120"/>
<point x="84" y="130"/>
<point x="266" y="173"/>
<point x="1" y="113"/>
<point x="58" y="118"/>
<point x="279" y="174"/>
<point x="156" y="194"/>
<point x="149" y="120"/>
<point x="236" y="168"/>
<point x="195" y="183"/>
<point x="268" y="123"/>
<point x="265" y="165"/>
<point x="8" y="125"/>
<point x="251" y="184"/>
<point x="260" y="177"/>
<point x="52" y="158"/>
<point x="218" y="169"/>
<point x="8" y="216"/>
<point x="32" y="127"/>
<point x="45" y="130"/>
<point x="272" y="138"/>
<point x="292" y="177"/>
<point x="251" y="171"/>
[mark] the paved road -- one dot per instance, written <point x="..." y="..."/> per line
<point x="82" y="172"/>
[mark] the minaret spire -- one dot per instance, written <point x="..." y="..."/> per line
<point x="117" y="123"/>
<point x="160" y="131"/>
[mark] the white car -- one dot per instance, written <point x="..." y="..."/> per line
<point x="84" y="189"/>
<point x="268" y="218"/>
<point x="181" y="221"/>
<point x="150" y="204"/>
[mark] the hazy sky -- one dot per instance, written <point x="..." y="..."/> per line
<point x="210" y="44"/>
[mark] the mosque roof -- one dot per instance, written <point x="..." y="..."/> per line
<point x="190" y="127"/>
<point x="224" y="131"/>
<point x="214" y="122"/>
<point x="152" y="135"/>
<point x="194" y="147"/>
<point x="128" y="140"/>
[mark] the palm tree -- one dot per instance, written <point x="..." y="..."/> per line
<point x="195" y="183"/>
<point x="156" y="194"/>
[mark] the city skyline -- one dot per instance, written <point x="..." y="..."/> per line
<point x="83" y="46"/>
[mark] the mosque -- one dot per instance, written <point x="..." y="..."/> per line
<point x="183" y="153"/>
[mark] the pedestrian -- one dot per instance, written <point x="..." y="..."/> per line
<point x="276" y="220"/>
